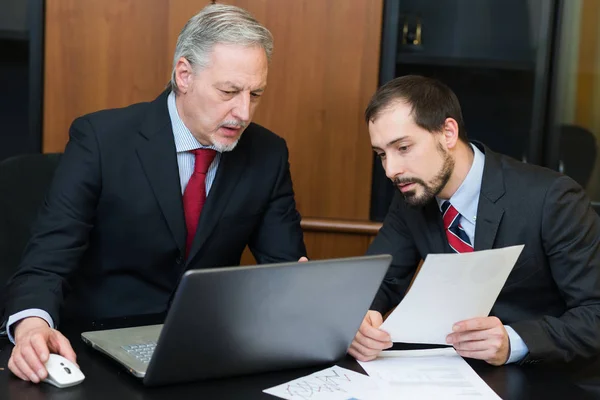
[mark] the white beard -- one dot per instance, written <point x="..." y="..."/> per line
<point x="221" y="148"/>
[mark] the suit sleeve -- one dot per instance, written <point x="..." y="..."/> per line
<point x="60" y="234"/>
<point x="279" y="237"/>
<point x="395" y="239"/>
<point x="571" y="239"/>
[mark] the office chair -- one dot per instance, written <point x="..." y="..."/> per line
<point x="24" y="180"/>
<point x="577" y="153"/>
<point x="596" y="207"/>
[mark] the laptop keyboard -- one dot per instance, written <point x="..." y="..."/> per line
<point x="141" y="351"/>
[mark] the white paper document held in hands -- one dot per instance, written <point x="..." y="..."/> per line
<point x="448" y="289"/>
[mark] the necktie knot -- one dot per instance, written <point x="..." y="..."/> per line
<point x="457" y="238"/>
<point x="450" y="215"/>
<point x="204" y="157"/>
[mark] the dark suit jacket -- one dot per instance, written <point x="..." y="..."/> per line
<point x="552" y="296"/>
<point x="110" y="239"/>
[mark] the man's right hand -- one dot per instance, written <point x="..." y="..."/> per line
<point x="370" y="340"/>
<point x="34" y="341"/>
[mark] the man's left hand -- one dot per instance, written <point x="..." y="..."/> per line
<point x="481" y="338"/>
<point x="303" y="259"/>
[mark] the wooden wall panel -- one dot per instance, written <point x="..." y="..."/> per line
<point x="111" y="53"/>
<point x="104" y="54"/>
<point x="324" y="69"/>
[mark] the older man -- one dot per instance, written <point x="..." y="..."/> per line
<point x="145" y="192"/>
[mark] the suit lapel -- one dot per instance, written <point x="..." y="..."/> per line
<point x="158" y="156"/>
<point x="489" y="212"/>
<point x="230" y="170"/>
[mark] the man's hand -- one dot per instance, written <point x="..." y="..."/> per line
<point x="303" y="259"/>
<point x="481" y="338"/>
<point x="370" y="340"/>
<point x="34" y="341"/>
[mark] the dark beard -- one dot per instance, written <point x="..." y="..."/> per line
<point x="434" y="187"/>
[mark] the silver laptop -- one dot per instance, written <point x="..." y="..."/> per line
<point x="234" y="321"/>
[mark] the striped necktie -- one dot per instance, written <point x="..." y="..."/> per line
<point x="457" y="237"/>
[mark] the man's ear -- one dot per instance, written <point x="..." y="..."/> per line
<point x="183" y="74"/>
<point x="450" y="132"/>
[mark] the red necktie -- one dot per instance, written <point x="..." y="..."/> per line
<point x="457" y="237"/>
<point x="194" y="195"/>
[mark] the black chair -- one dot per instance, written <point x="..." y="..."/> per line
<point x="577" y="153"/>
<point x="24" y="181"/>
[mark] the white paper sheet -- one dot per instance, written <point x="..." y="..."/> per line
<point x="448" y="289"/>
<point x="445" y="376"/>
<point x="335" y="383"/>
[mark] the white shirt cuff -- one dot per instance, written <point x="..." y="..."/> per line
<point x="31" y="312"/>
<point x="518" y="348"/>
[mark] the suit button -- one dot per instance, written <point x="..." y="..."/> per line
<point x="179" y="259"/>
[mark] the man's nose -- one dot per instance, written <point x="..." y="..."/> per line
<point x="241" y="110"/>
<point x="393" y="167"/>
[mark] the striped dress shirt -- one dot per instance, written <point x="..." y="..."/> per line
<point x="184" y="143"/>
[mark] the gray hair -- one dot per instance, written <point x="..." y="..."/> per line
<point x="218" y="23"/>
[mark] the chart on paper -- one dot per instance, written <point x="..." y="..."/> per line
<point x="333" y="383"/>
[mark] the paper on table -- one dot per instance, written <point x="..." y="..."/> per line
<point x="438" y="377"/>
<point x="448" y="289"/>
<point x="335" y="383"/>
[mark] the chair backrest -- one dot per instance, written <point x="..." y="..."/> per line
<point x="24" y="181"/>
<point x="596" y="206"/>
<point x="578" y="153"/>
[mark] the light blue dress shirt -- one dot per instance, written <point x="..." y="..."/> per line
<point x="466" y="200"/>
<point x="184" y="143"/>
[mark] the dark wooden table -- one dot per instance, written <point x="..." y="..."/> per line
<point x="107" y="380"/>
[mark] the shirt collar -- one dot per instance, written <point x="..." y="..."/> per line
<point x="466" y="198"/>
<point x="184" y="140"/>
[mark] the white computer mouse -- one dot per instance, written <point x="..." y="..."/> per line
<point x="62" y="373"/>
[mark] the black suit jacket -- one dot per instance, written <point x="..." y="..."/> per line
<point x="110" y="240"/>
<point x="552" y="296"/>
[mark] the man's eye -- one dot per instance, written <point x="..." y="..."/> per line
<point x="227" y="92"/>
<point x="255" y="95"/>
<point x="404" y="149"/>
<point x="381" y="155"/>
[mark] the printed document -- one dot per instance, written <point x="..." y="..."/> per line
<point x="443" y="375"/>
